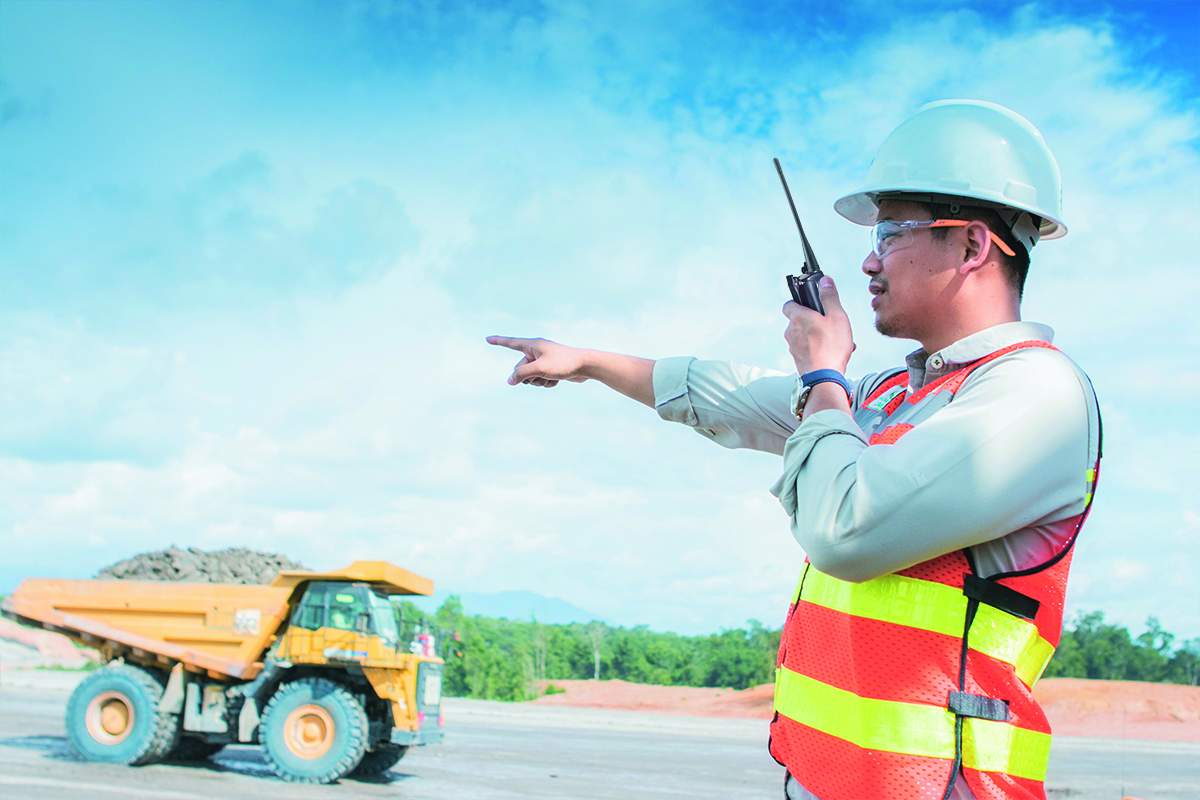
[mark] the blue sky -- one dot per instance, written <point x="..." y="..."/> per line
<point x="249" y="253"/>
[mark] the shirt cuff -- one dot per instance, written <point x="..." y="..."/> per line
<point x="798" y="451"/>
<point x="671" y="399"/>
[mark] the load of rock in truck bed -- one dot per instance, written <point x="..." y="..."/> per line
<point x="233" y="565"/>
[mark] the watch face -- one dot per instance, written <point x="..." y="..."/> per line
<point x="799" y="395"/>
<point x="801" y="399"/>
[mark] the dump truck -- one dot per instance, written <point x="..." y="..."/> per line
<point x="311" y="666"/>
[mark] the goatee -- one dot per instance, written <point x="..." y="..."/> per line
<point x="888" y="328"/>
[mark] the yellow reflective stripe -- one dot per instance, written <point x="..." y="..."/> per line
<point x="935" y="607"/>
<point x="1091" y="476"/>
<point x="907" y="728"/>
<point x="892" y="598"/>
<point x="910" y="728"/>
<point x="999" y="747"/>
<point x="1011" y="640"/>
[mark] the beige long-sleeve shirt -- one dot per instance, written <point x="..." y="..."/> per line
<point x="1002" y="469"/>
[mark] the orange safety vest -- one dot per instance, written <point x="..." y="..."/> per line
<point x="886" y="689"/>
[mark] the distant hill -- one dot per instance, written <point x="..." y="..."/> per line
<point x="517" y="605"/>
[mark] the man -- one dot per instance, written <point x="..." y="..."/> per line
<point x="937" y="503"/>
<point x="345" y="611"/>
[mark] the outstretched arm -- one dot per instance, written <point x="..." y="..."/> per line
<point x="545" y="363"/>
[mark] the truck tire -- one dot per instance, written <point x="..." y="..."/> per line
<point x="113" y="717"/>
<point x="313" y="731"/>
<point x="189" y="748"/>
<point x="379" y="760"/>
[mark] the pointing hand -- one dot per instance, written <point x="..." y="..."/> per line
<point x="545" y="363"/>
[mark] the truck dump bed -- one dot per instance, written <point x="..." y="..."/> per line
<point x="213" y="627"/>
<point x="219" y="628"/>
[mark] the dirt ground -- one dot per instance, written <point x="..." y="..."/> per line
<point x="519" y="751"/>
<point x="1076" y="707"/>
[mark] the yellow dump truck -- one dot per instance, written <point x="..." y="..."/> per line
<point x="311" y="666"/>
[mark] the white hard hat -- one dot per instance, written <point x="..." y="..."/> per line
<point x="972" y="153"/>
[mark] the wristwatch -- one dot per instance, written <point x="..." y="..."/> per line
<point x="804" y="384"/>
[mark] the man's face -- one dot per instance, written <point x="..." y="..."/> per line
<point x="911" y="285"/>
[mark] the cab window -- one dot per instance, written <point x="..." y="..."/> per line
<point x="383" y="619"/>
<point x="310" y="614"/>
<point x="346" y="607"/>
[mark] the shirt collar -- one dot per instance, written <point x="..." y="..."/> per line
<point x="923" y="368"/>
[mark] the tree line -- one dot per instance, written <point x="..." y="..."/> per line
<point x="501" y="659"/>
<point x="1097" y="649"/>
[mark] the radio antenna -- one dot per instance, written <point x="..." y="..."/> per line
<point x="810" y="260"/>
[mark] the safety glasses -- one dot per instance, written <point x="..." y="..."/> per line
<point x="890" y="235"/>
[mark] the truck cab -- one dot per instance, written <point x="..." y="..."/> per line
<point x="343" y="621"/>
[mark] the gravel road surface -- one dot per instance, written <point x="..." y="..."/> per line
<point x="500" y="751"/>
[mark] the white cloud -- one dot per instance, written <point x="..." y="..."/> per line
<point x="317" y="383"/>
<point x="1124" y="570"/>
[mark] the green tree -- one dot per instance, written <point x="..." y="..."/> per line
<point x="738" y="659"/>
<point x="1185" y="664"/>
<point x="597" y="632"/>
<point x="450" y="613"/>
<point x="506" y="659"/>
<point x="1100" y="650"/>
<point x="1068" y="661"/>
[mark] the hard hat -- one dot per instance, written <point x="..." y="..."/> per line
<point x="967" y="152"/>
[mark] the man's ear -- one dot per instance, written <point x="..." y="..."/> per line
<point x="976" y="246"/>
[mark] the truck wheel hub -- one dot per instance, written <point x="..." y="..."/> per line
<point x="309" y="731"/>
<point x="109" y="717"/>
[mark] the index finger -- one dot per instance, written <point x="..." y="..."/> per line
<point x="509" y="342"/>
<point x="791" y="312"/>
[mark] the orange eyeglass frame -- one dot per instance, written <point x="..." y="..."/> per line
<point x="962" y="223"/>
<point x="910" y="225"/>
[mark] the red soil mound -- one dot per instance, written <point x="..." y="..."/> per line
<point x="1076" y="707"/>
<point x="39" y="648"/>
<point x="754" y="703"/>
<point x="1121" y="709"/>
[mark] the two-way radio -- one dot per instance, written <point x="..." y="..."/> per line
<point x="804" y="287"/>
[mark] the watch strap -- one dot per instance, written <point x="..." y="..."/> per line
<point x="810" y="379"/>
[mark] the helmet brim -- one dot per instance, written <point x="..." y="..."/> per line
<point x="862" y="207"/>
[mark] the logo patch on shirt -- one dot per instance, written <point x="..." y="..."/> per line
<point x="879" y="403"/>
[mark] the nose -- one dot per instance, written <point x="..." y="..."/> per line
<point x="871" y="264"/>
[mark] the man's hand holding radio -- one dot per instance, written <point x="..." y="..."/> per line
<point x="819" y="341"/>
<point x="816" y="341"/>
